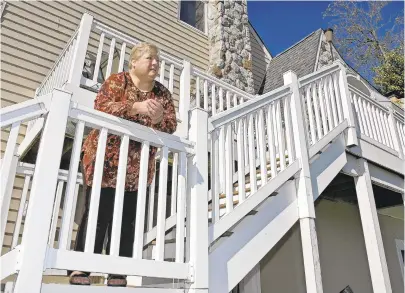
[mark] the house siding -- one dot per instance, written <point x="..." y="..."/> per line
<point x="260" y="59"/>
<point x="342" y="253"/>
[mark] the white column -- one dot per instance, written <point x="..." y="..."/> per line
<point x="38" y="220"/>
<point x="251" y="283"/>
<point x="371" y="229"/>
<point x="305" y="195"/>
<point x="198" y="191"/>
<point x="79" y="54"/>
<point x="348" y="110"/>
<point x="184" y="101"/>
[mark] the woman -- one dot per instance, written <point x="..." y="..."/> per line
<point x="135" y="96"/>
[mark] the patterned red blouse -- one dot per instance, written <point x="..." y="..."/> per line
<point x="116" y="97"/>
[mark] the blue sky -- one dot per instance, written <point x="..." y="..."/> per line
<point x="282" y="23"/>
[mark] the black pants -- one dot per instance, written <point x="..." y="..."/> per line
<point x="104" y="222"/>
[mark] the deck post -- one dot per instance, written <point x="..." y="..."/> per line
<point x="305" y="197"/>
<point x="198" y="192"/>
<point x="394" y="132"/>
<point x="371" y="229"/>
<point x="79" y="54"/>
<point x="38" y="220"/>
<point x="184" y="102"/>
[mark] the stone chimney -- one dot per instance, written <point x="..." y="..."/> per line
<point x="230" y="57"/>
<point x="327" y="52"/>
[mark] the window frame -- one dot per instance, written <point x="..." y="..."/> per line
<point x="205" y="32"/>
<point x="400" y="247"/>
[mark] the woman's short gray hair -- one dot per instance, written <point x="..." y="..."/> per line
<point x="140" y="49"/>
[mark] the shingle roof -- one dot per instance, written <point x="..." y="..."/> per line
<point x="300" y="58"/>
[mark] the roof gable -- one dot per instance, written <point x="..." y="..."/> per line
<point x="300" y="58"/>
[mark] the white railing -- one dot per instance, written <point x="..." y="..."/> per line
<point x="322" y="103"/>
<point x="59" y="73"/>
<point x="45" y="188"/>
<point x="372" y="118"/>
<point x="214" y="95"/>
<point x="257" y="136"/>
<point x="12" y="118"/>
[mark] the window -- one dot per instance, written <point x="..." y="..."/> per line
<point x="193" y="13"/>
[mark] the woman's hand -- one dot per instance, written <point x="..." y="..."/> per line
<point x="155" y="111"/>
<point x="151" y="108"/>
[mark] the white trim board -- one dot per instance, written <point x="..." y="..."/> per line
<point x="400" y="246"/>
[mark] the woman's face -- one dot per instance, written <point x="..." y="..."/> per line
<point x="147" y="66"/>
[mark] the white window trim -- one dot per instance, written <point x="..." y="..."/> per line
<point x="205" y="32"/>
<point x="400" y="246"/>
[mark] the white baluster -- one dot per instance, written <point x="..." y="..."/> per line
<point x="110" y="58"/>
<point x="241" y="160"/>
<point x="55" y="214"/>
<point x="181" y="206"/>
<point x="206" y="95"/>
<point x="221" y="99"/>
<point x="252" y="155"/>
<point x="7" y="175"/>
<point x="162" y="71"/>
<point x="262" y="147"/>
<point x="161" y="216"/>
<point x="175" y="168"/>
<point x="228" y="168"/>
<point x="270" y="138"/>
<point x="23" y="200"/>
<point x="151" y="204"/>
<point x="122" y="57"/>
<point x="376" y="123"/>
<point x="141" y="201"/>
<point x="280" y="136"/>
<point x="95" y="192"/>
<point x="213" y="100"/>
<point x="197" y="86"/>
<point x="69" y="204"/>
<point x="215" y="177"/>
<point x="119" y="196"/>
<point x="171" y="78"/>
<point x="317" y="110"/>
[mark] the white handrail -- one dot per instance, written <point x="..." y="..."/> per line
<point x="137" y="132"/>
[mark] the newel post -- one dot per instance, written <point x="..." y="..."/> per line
<point x="348" y="110"/>
<point x="35" y="239"/>
<point x="79" y="54"/>
<point x="184" y="102"/>
<point x="305" y="197"/>
<point x="198" y="209"/>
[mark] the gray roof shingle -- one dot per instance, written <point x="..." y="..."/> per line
<point x="300" y="58"/>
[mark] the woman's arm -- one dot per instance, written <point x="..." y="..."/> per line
<point x="109" y="97"/>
